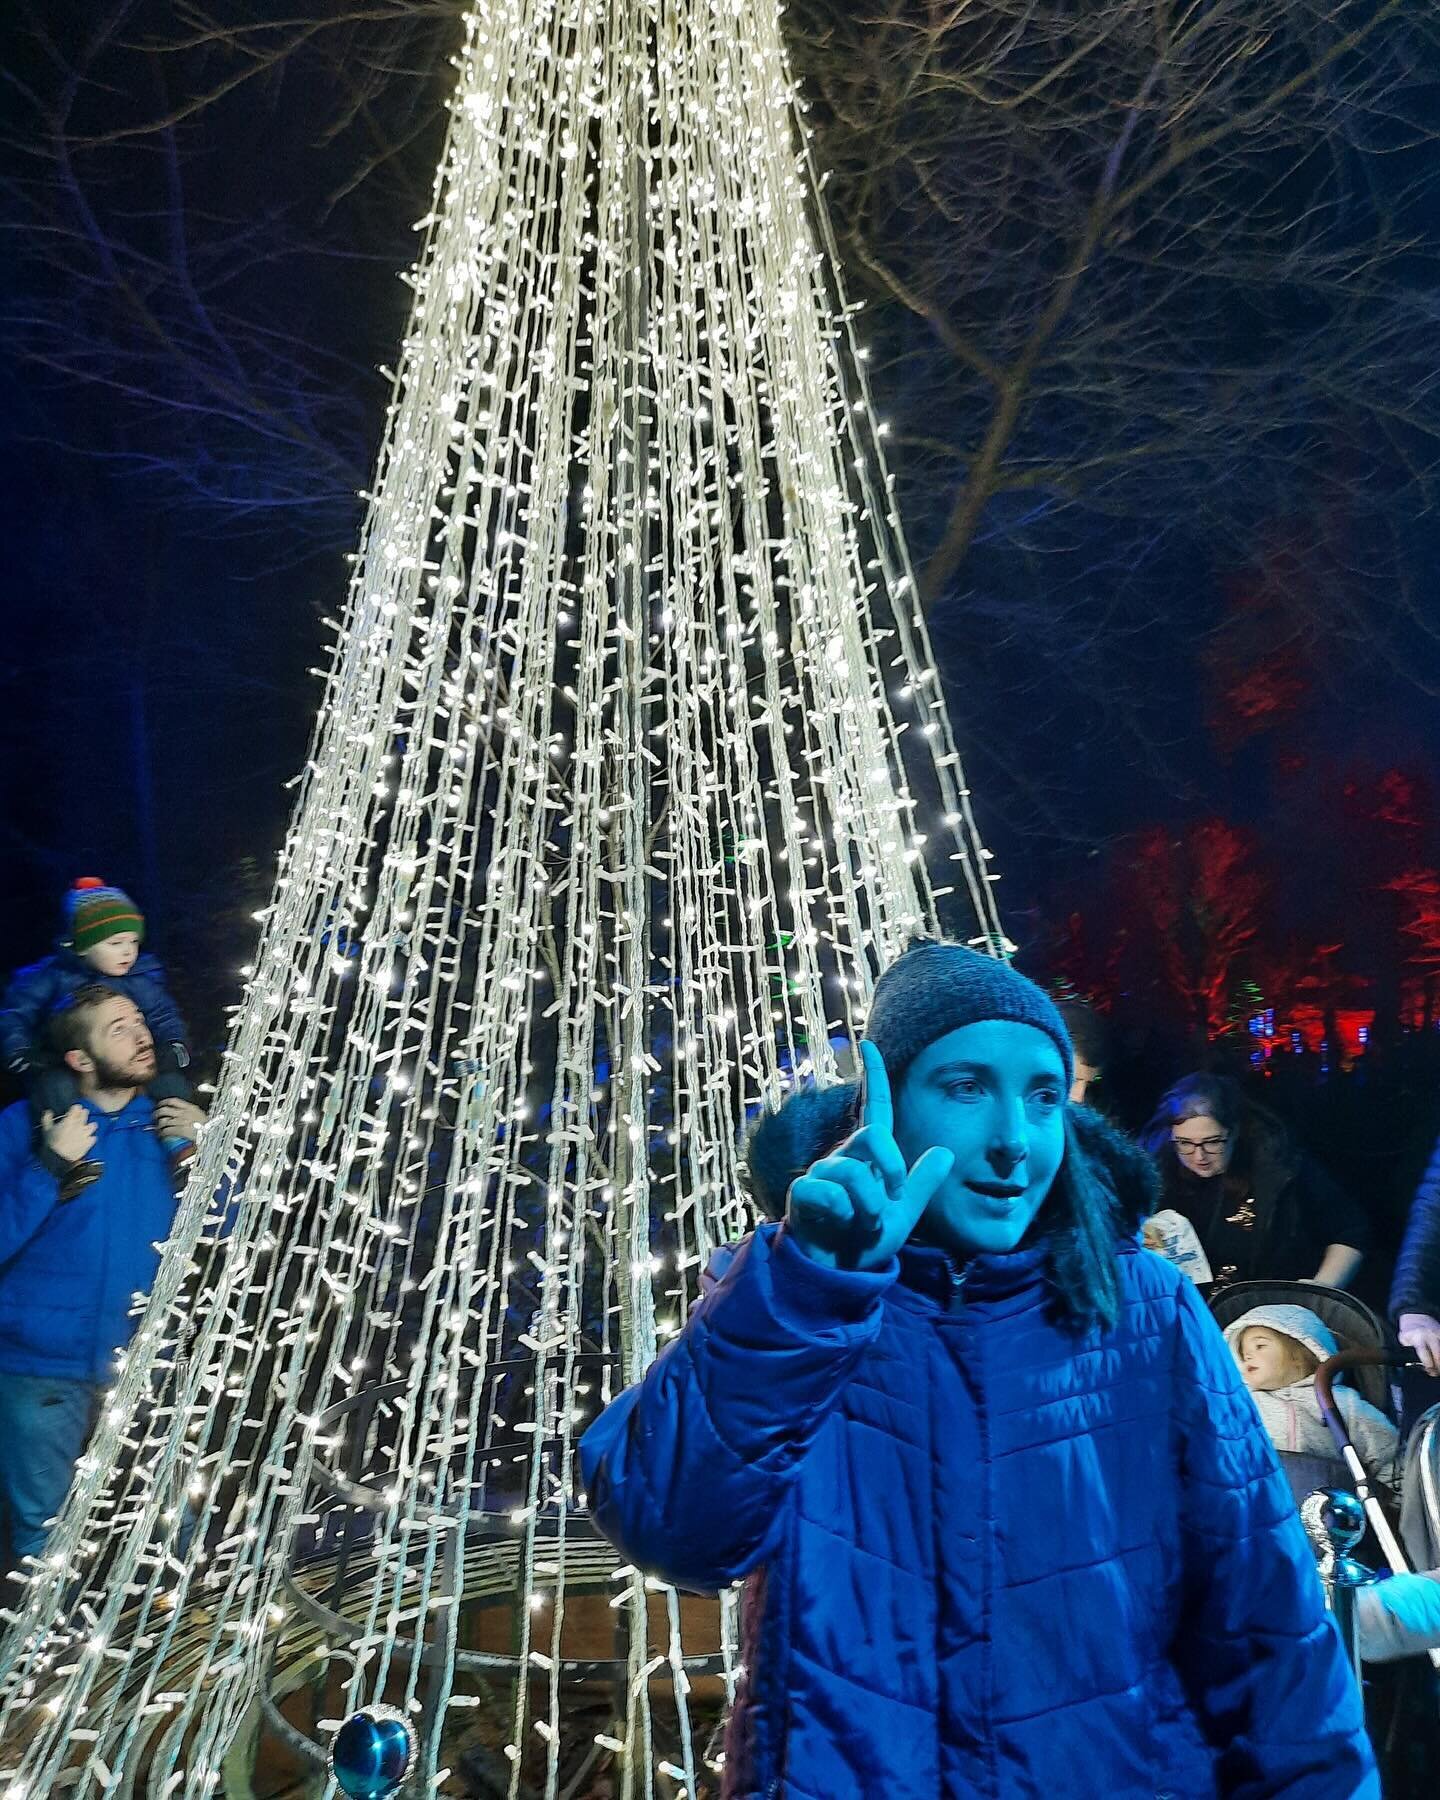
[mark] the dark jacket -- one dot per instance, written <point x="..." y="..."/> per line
<point x="35" y="992"/>
<point x="70" y="1270"/>
<point x="984" y="1554"/>
<point x="1275" y="1225"/>
<point x="1416" y="1287"/>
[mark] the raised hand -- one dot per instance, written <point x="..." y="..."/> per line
<point x="854" y="1208"/>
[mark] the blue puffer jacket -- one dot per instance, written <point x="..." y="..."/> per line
<point x="985" y="1555"/>
<point x="35" y="992"/>
<point x="70" y="1270"/>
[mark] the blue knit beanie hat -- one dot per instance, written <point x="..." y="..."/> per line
<point x="930" y="990"/>
<point x="934" y="988"/>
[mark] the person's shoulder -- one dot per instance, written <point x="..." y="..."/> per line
<point x="723" y="1257"/>
<point x="1146" y="1275"/>
<point x="1156" y="1298"/>
<point x="42" y="969"/>
<point x="148" y="965"/>
<point x="1309" y="1173"/>
<point x="15" y="1122"/>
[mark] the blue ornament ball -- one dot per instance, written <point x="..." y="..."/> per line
<point x="372" y="1753"/>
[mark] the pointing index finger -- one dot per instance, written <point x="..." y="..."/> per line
<point x="876" y="1112"/>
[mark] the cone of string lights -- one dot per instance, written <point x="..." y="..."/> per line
<point x="630" y="772"/>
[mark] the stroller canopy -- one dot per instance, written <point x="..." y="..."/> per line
<point x="1355" y="1326"/>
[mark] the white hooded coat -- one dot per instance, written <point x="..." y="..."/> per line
<point x="1292" y="1414"/>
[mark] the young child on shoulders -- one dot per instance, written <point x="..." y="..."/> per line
<point x="104" y="932"/>
<point x="1279" y="1348"/>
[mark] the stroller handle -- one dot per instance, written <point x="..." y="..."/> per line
<point x="1352" y="1359"/>
<point x="1364" y="1484"/>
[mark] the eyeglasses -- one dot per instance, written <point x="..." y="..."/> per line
<point x="1201" y="1146"/>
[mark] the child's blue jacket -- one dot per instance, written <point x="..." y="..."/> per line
<point x="985" y="1555"/>
<point x="37" y="990"/>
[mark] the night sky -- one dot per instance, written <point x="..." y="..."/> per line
<point x="154" y="664"/>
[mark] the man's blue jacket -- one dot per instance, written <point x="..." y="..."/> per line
<point x="985" y="1554"/>
<point x="70" y="1270"/>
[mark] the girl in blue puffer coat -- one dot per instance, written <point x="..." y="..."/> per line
<point x="1007" y="1520"/>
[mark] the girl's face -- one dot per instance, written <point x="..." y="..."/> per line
<point x="994" y="1095"/>
<point x="1268" y="1359"/>
<point x="1203" y="1145"/>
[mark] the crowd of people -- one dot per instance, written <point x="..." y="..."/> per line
<point x="984" y="1408"/>
<point x="1255" y="1206"/>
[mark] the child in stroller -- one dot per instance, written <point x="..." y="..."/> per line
<point x="1279" y="1348"/>
<point x="1282" y="1333"/>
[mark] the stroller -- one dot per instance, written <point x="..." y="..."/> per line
<point x="1404" y="1526"/>
<point x="1356" y="1329"/>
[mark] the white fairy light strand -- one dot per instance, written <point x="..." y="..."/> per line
<point x="620" y="794"/>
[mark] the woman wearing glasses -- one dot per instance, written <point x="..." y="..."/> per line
<point x="1263" y="1211"/>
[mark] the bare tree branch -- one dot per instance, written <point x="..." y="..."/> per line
<point x="1143" y="278"/>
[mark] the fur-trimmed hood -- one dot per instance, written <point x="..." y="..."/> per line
<point x="785" y="1140"/>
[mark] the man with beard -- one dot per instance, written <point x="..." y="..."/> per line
<point x="70" y="1269"/>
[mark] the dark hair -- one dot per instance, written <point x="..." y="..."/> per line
<point x="1089" y="1031"/>
<point x="1104" y="1187"/>
<point x="1195" y="1097"/>
<point x="1080" y="1220"/>
<point x="69" y="1024"/>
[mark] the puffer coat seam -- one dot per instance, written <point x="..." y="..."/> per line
<point x="1088" y="1394"/>
<point x="830" y="1531"/>
<point x="1100" y="1695"/>
<point x="1016" y="1583"/>
<point x="979" y="1388"/>
<point x="865" y="1687"/>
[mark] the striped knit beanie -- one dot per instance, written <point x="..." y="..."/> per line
<point x="94" y="912"/>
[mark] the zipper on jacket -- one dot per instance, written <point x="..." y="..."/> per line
<point x="97" y="1352"/>
<point x="957" y="1289"/>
